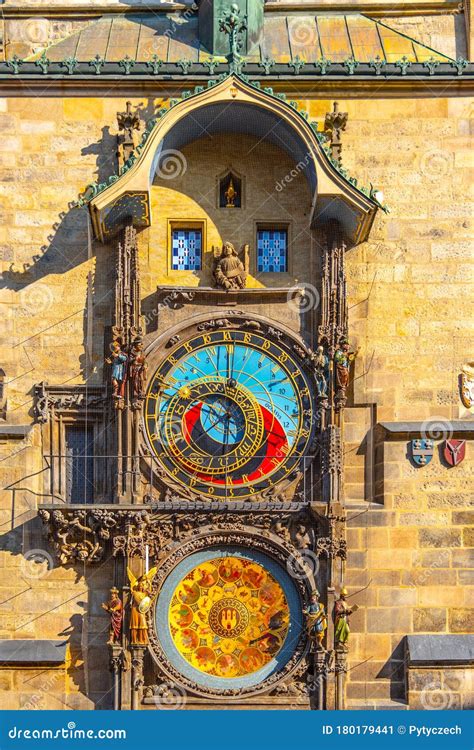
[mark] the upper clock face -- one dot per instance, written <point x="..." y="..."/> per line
<point x="229" y="414"/>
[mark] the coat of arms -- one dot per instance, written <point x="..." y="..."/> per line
<point x="467" y="385"/>
<point x="421" y="451"/>
<point x="454" y="451"/>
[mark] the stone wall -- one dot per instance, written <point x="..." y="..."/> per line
<point x="409" y="297"/>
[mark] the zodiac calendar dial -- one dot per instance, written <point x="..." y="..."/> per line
<point x="229" y="414"/>
<point x="228" y="617"/>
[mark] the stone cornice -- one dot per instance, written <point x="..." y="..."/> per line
<point x="436" y="429"/>
<point x="83" y="74"/>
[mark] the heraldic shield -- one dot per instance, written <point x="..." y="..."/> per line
<point x="422" y="451"/>
<point x="454" y="451"/>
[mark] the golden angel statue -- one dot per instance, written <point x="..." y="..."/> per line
<point x="141" y="603"/>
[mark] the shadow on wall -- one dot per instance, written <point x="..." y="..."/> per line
<point x="394" y="670"/>
<point x="42" y="606"/>
<point x="68" y="246"/>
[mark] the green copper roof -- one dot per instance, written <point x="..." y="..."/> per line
<point x="174" y="37"/>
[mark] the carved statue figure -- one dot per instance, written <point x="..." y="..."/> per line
<point x="302" y="538"/>
<point x="467" y="385"/>
<point x="141" y="603"/>
<point x="316" y="620"/>
<point x="230" y="194"/>
<point x="230" y="271"/>
<point x="118" y="360"/>
<point x="342" y="611"/>
<point x="137" y="369"/>
<point x="115" y="609"/>
<point x="321" y="370"/>
<point x="343" y="358"/>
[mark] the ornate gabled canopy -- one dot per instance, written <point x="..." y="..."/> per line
<point x="233" y="105"/>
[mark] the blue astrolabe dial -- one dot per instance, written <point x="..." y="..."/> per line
<point x="229" y="414"/>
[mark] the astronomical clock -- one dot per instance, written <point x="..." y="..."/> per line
<point x="230" y="414"/>
<point x="228" y="428"/>
<point x="218" y="502"/>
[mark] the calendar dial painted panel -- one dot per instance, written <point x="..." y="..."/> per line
<point x="229" y="414"/>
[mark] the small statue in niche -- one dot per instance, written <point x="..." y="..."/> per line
<point x="321" y="372"/>
<point x="118" y="360"/>
<point x="137" y="369"/>
<point x="342" y="359"/>
<point x="141" y="603"/>
<point x="230" y="272"/>
<point x="342" y="611"/>
<point x="316" y="620"/>
<point x="115" y="609"/>
<point x="230" y="195"/>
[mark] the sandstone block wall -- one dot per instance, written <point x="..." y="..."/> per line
<point x="410" y="312"/>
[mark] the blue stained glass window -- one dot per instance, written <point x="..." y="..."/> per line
<point x="272" y="250"/>
<point x="186" y="249"/>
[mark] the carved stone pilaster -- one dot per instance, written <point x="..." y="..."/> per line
<point x="340" y="669"/>
<point x="331" y="464"/>
<point x="138" y="653"/>
<point x="118" y="664"/>
<point x="333" y="325"/>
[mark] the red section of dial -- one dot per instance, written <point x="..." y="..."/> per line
<point x="273" y="450"/>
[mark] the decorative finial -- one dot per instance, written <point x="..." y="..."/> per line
<point x="233" y="24"/>
<point x="127" y="121"/>
<point x="334" y="123"/>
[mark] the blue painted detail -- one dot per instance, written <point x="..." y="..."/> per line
<point x="272" y="251"/>
<point x="422" y="451"/>
<point x="186" y="250"/>
<point x="162" y="618"/>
